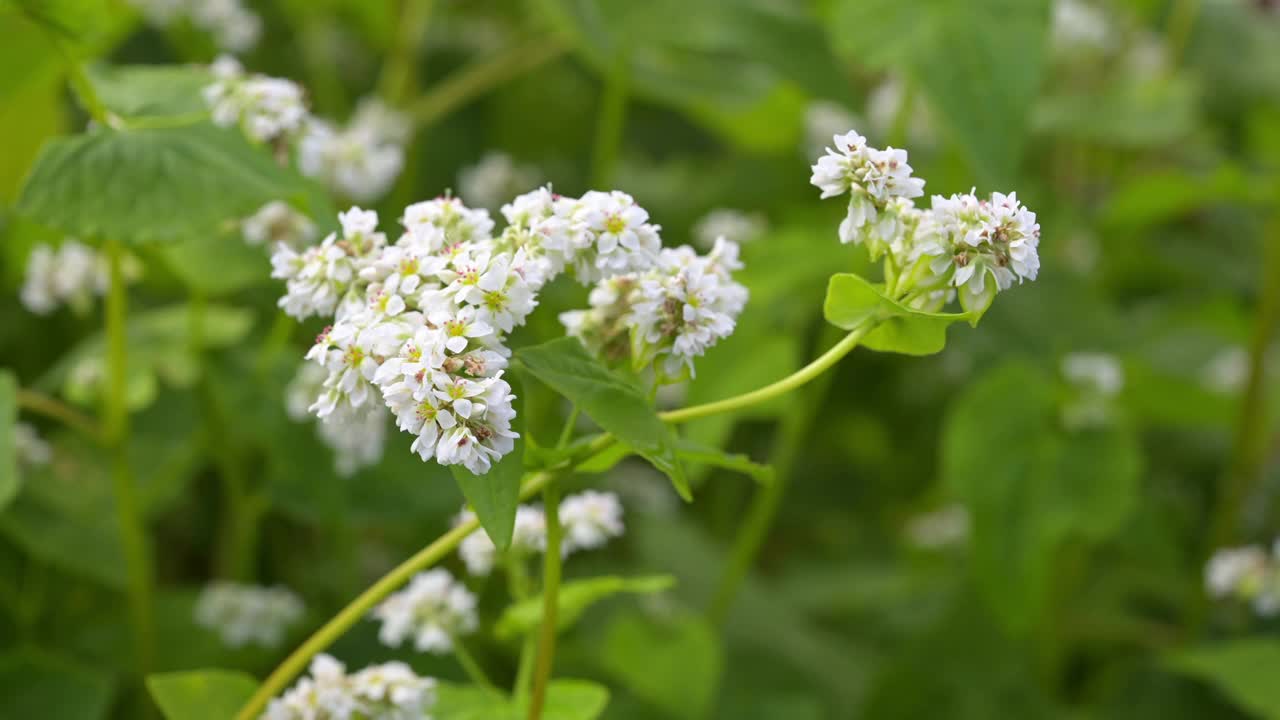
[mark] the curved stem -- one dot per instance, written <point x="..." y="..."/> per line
<point x="474" y="80"/>
<point x="116" y="429"/>
<point x="550" y="602"/>
<point x="768" y="392"/>
<point x="85" y="92"/>
<point x="352" y="613"/>
<point x="42" y="404"/>
<point x="470" y="666"/>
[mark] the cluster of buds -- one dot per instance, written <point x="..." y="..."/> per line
<point x="1247" y="573"/>
<point x="962" y="245"/>
<point x="420" y="324"/>
<point x="665" y="316"/>
<point x="590" y="520"/>
<point x="247" y="614"/>
<point x="390" y="691"/>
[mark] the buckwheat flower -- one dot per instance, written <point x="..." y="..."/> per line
<point x="431" y="611"/>
<point x="494" y="178"/>
<point x="459" y="223"/>
<point x="822" y="120"/>
<point x="1097" y="372"/>
<point x="356" y="438"/>
<point x="477" y="551"/>
<point x="356" y="161"/>
<point x="30" y="448"/>
<point x="941" y="528"/>
<point x="247" y="614"/>
<point x="884" y="102"/>
<point x="265" y="108"/>
<point x="621" y="236"/>
<point x="591" y="519"/>
<point x="390" y="691"/>
<point x="736" y="225"/>
<point x="233" y="26"/>
<point x="874" y="179"/>
<point x="1078" y="25"/>
<point x="1227" y="371"/>
<point x="501" y="295"/>
<point x="380" y="120"/>
<point x="528" y="537"/>
<point x="605" y="327"/>
<point x="277" y="222"/>
<point x="70" y="274"/>
<point x="483" y="434"/>
<point x="1236" y="572"/>
<point x="540" y="224"/>
<point x="322" y="276"/>
<point x="530" y="533"/>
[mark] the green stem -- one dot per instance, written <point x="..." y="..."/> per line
<point x="795" y="427"/>
<point x="433" y="553"/>
<point x="85" y="92"/>
<point x="1249" y="450"/>
<point x="566" y="434"/>
<point x="612" y="118"/>
<point x="768" y="392"/>
<point x="399" y="74"/>
<point x="470" y="666"/>
<point x="1182" y="20"/>
<point x="354" y="612"/>
<point x="116" y="429"/>
<point x="41" y="404"/>
<point x="479" y="77"/>
<point x="550" y="602"/>
<point x="518" y="584"/>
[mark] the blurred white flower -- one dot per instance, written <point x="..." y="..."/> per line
<point x="945" y="527"/>
<point x="1094" y="371"/>
<point x="822" y="120"/>
<point x="264" y="108"/>
<point x="494" y="178"/>
<point x="233" y="27"/>
<point x="1246" y="573"/>
<point x="247" y="614"/>
<point x="362" y="160"/>
<point x="1227" y="371"/>
<point x="590" y="519"/>
<point x="31" y="449"/>
<point x="733" y="225"/>
<point x="431" y="611"/>
<point x="390" y="691"/>
<point x="278" y="222"/>
<point x="71" y="273"/>
<point x="1078" y="25"/>
<point x="885" y="102"/>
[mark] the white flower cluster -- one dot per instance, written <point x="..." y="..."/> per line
<point x="265" y="108"/>
<point x="31" y="449"/>
<point x="71" y="273"/>
<point x="390" y="691"/>
<point x="1249" y="574"/>
<point x="493" y="179"/>
<point x="945" y="527"/>
<point x="976" y="246"/>
<point x="590" y="519"/>
<point x="357" y="443"/>
<point x="233" y="26"/>
<point x="422" y="322"/>
<point x="247" y="614"/>
<point x="736" y="225"/>
<point x="432" y="610"/>
<point x="666" y="315"/>
<point x="1095" y="378"/>
<point x="362" y="160"/>
<point x="278" y="222"/>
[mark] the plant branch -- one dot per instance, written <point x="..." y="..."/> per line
<point x="550" y="602"/>
<point x="474" y="80"/>
<point x="42" y="404"/>
<point x="470" y="666"/>
<point x="399" y="73"/>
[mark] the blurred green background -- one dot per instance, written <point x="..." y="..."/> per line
<point x="975" y="534"/>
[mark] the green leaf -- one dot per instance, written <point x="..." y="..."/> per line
<point x="495" y="495"/>
<point x="614" y="404"/>
<point x="155" y="184"/>
<point x="673" y="663"/>
<point x="201" y="694"/>
<point x="566" y="700"/>
<point x="1244" y="670"/>
<point x="852" y="301"/>
<point x="979" y="63"/>
<point x="575" y="597"/>
<point x="133" y="91"/>
<point x="698" y="454"/>
<point x="9" y="479"/>
<point x="1030" y="485"/>
<point x="37" y="685"/>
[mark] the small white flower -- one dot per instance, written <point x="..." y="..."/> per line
<point x="735" y="225"/>
<point x="945" y="527"/>
<point x="1227" y="371"/>
<point x="362" y="160"/>
<point x="72" y="274"/>
<point x="1096" y="372"/>
<point x="1078" y="25"/>
<point x="590" y="519"/>
<point x="877" y="180"/>
<point x="622" y="238"/>
<point x="31" y="449"/>
<point x="1235" y="571"/>
<point x="494" y="178"/>
<point x="233" y="27"/>
<point x="431" y="611"/>
<point x="247" y="614"/>
<point x="822" y="120"/>
<point x="390" y="691"/>
<point x="265" y="108"/>
<point x="278" y="222"/>
<point x="459" y="223"/>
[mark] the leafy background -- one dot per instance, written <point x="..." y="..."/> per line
<point x="1152" y="163"/>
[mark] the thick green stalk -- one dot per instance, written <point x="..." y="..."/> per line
<point x="116" y="430"/>
<point x="612" y="119"/>
<point x="550" y="602"/>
